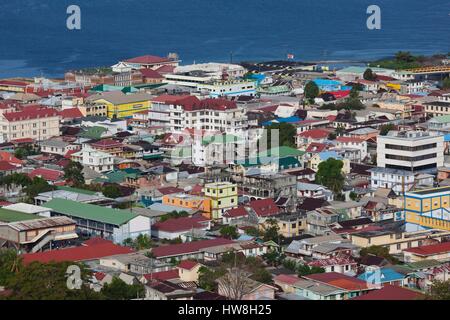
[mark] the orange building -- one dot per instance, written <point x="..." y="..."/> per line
<point x="189" y="201"/>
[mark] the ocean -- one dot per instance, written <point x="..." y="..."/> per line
<point x="34" y="39"/>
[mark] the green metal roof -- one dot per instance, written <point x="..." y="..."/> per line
<point x="105" y="88"/>
<point x="93" y="132"/>
<point x="424" y="264"/>
<point x="91" y="212"/>
<point x="282" y="152"/>
<point x="14" y="216"/>
<point x="113" y="177"/>
<point x="442" y="119"/>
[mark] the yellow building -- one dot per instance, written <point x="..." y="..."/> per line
<point x="188" y="201"/>
<point x="120" y="105"/>
<point x="398" y="241"/>
<point x="428" y="208"/>
<point x="223" y="195"/>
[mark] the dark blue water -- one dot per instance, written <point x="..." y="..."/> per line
<point x="34" y="39"/>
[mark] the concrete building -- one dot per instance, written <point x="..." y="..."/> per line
<point x="228" y="88"/>
<point x="92" y="220"/>
<point x="399" y="181"/>
<point x="223" y="195"/>
<point x="33" y="122"/>
<point x="96" y="160"/>
<point x="410" y="151"/>
<point x="428" y="208"/>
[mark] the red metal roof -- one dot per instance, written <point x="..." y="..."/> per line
<point x="148" y="59"/>
<point x="316" y="147"/>
<point x="286" y="278"/>
<point x="430" y="249"/>
<point x="6" y="166"/>
<point x="264" y="207"/>
<point x="162" y="275"/>
<point x="31" y="112"/>
<point x="9" y="157"/>
<point x="390" y="292"/>
<point x="180" y="224"/>
<point x="150" y="73"/>
<point x="188" y="247"/>
<point x="47" y="174"/>
<point x="82" y="253"/>
<point x="106" y="143"/>
<point x="338" y="280"/>
<point x="315" y="134"/>
<point x="187" y="264"/>
<point x="236" y="212"/>
<point x="13" y="83"/>
<point x="71" y="113"/>
<point x="170" y="190"/>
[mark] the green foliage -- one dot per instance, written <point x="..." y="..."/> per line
<point x="37" y="185"/>
<point x="384" y="129"/>
<point x="311" y="90"/>
<point x="439" y="290"/>
<point x="290" y="264"/>
<point x="274" y="258"/>
<point x="229" y="232"/>
<point x="18" y="179"/>
<point x="141" y="242"/>
<point x="207" y="277"/>
<point x="119" y="290"/>
<point x="287" y="133"/>
<point x="25" y="151"/>
<point x="10" y="265"/>
<point x="446" y="83"/>
<point x="73" y="173"/>
<point x="112" y="191"/>
<point x="378" y="251"/>
<point x="262" y="275"/>
<point x="330" y="175"/>
<point x="402" y="60"/>
<point x="353" y="196"/>
<point x="174" y="215"/>
<point x="271" y="231"/>
<point x="304" y="270"/>
<point x="369" y="75"/>
<point x="38" y="281"/>
<point x="253" y="232"/>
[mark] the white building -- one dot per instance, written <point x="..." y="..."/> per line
<point x="230" y="88"/>
<point x="411" y="151"/>
<point x="217" y="149"/>
<point x="95" y="160"/>
<point x="353" y="143"/>
<point x="59" y="147"/>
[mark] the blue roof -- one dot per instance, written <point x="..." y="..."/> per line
<point x="245" y="237"/>
<point x="387" y="275"/>
<point x="447" y="137"/>
<point x="329" y="154"/>
<point x="326" y="82"/>
<point x="283" y="120"/>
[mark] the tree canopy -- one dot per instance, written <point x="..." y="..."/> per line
<point x="330" y="175"/>
<point x="286" y="133"/>
<point x="311" y="90"/>
<point x="229" y="232"/>
<point x="369" y="75"/>
<point x="73" y="172"/>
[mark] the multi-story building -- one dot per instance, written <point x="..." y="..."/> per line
<point x="36" y="233"/>
<point x="437" y="108"/>
<point x="217" y="149"/>
<point x="33" y="122"/>
<point x="399" y="181"/>
<point x="94" y="159"/>
<point x="410" y="151"/>
<point x="223" y="195"/>
<point x="146" y="62"/>
<point x="229" y="88"/>
<point x="429" y="208"/>
<point x="120" y="105"/>
<point x="54" y="146"/>
<point x="188" y="201"/>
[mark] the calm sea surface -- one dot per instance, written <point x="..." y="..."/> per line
<point x="34" y="39"/>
